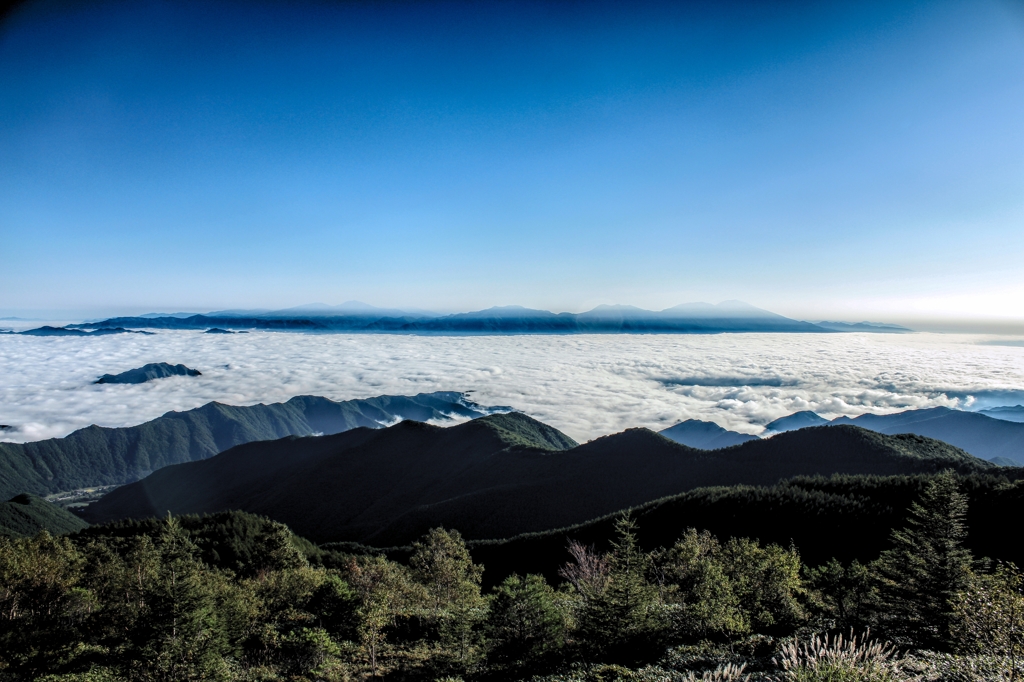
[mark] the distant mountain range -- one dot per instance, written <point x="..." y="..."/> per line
<point x="995" y="435"/>
<point x="1013" y="413"/>
<point x="494" y="477"/>
<point x="100" y="330"/>
<point x="728" y="316"/>
<point x="98" y="456"/>
<point x="871" y="327"/>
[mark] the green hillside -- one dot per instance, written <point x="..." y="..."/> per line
<point x="494" y="477"/>
<point x="97" y="456"/>
<point x="26" y="515"/>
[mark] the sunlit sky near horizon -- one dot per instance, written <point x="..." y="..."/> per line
<point x="860" y="160"/>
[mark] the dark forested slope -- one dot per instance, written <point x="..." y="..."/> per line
<point x="846" y="517"/>
<point x="96" y="456"/>
<point x="494" y="477"/>
<point x="27" y="515"/>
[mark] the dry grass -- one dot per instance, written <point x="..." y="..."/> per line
<point x="839" y="659"/>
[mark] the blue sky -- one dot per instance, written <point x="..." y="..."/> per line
<point x="824" y="160"/>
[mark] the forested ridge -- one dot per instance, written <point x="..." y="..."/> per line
<point x="98" y="456"/>
<point x="494" y="477"/>
<point x="233" y="596"/>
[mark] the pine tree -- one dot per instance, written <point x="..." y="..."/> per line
<point x="524" y="623"/>
<point x="626" y="620"/>
<point x="927" y="566"/>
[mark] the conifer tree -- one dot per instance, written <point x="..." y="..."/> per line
<point x="524" y="623"/>
<point x="626" y="620"/>
<point x="927" y="565"/>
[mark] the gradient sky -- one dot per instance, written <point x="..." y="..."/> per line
<point x="823" y="160"/>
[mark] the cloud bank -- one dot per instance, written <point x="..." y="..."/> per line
<point x="586" y="386"/>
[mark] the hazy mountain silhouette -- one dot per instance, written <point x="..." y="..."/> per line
<point x="977" y="433"/>
<point x="728" y="316"/>
<point x="871" y="327"/>
<point x="493" y="477"/>
<point x="96" y="455"/>
<point x="154" y="370"/>
<point x="100" y="330"/>
<point x="797" y="420"/>
<point x="704" y="435"/>
<point x="1011" y="414"/>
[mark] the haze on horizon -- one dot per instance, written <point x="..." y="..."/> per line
<point x="820" y="160"/>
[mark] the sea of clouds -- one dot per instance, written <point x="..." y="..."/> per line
<point x="587" y="385"/>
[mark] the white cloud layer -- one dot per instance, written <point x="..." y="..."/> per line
<point x="585" y="385"/>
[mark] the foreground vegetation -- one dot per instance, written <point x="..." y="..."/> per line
<point x="237" y="597"/>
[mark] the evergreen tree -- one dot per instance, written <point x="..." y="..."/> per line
<point x="626" y="621"/>
<point x="183" y="635"/>
<point x="927" y="566"/>
<point x="524" y="623"/>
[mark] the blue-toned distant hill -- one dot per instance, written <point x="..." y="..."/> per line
<point x="494" y="477"/>
<point x="704" y="435"/>
<point x="975" y="432"/>
<point x="97" y="456"/>
<point x="100" y="330"/>
<point x="154" y="370"/>
<point x="870" y="327"/>
<point x="797" y="420"/>
<point x="1013" y="413"/>
<point x="690" y="318"/>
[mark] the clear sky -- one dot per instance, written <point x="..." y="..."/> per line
<point x="823" y="160"/>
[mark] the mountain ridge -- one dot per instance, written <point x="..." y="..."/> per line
<point x="388" y="486"/>
<point x="727" y="316"/>
<point x="99" y="456"/>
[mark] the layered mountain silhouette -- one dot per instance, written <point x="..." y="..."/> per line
<point x="99" y="330"/>
<point x="494" y="477"/>
<point x="870" y="327"/>
<point x="999" y="439"/>
<point x="704" y="435"/>
<point x="154" y="370"/>
<point x="728" y="316"/>
<point x="1014" y="413"/>
<point x="96" y="456"/>
<point x="974" y="432"/>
